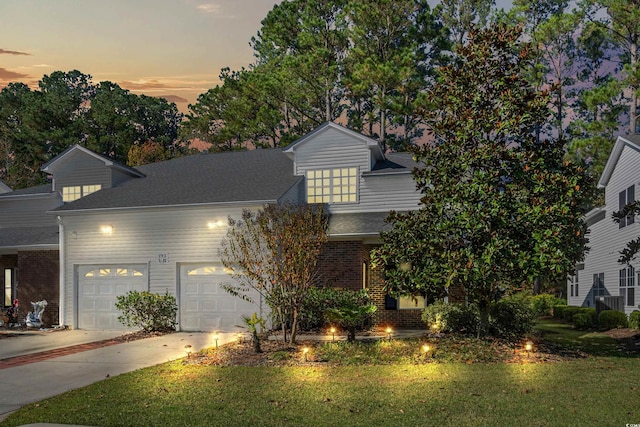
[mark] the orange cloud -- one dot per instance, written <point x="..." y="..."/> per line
<point x="13" y="52"/>
<point x="10" y="75"/>
<point x="174" y="98"/>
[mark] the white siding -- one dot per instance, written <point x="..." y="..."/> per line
<point x="382" y="193"/>
<point x="332" y="149"/>
<point x="138" y="237"/>
<point x="606" y="239"/>
<point x="79" y="168"/>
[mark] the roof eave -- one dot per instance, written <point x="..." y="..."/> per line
<point x="616" y="152"/>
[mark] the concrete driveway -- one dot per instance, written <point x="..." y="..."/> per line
<point x="37" y="380"/>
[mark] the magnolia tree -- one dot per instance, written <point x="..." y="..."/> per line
<point x="499" y="208"/>
<point x="275" y="252"/>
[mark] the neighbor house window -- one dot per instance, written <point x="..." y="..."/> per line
<point x="598" y="287"/>
<point x="332" y="185"/>
<point x="624" y="198"/>
<point x="74" y="192"/>
<point x="627" y="285"/>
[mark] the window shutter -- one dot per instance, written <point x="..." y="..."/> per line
<point x="621" y="204"/>
<point x="631" y="197"/>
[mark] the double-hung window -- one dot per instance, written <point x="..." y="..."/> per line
<point x="627" y="285"/>
<point x="624" y="198"/>
<point x="338" y="185"/>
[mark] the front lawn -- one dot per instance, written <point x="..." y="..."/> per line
<point x="580" y="391"/>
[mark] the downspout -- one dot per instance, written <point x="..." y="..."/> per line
<point x="61" y="247"/>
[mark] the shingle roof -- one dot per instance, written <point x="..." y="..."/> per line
<point x="28" y="236"/>
<point x="358" y="224"/>
<point x="241" y="176"/>
<point x="394" y="163"/>
<point x="39" y="189"/>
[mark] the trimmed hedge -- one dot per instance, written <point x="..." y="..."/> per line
<point x="634" y="319"/>
<point x="611" y="319"/>
<point x="443" y="317"/>
<point x="511" y="318"/>
<point x="543" y="304"/>
<point x="583" y="321"/>
<point x="558" y="311"/>
<point x="319" y="300"/>
<point x="147" y="311"/>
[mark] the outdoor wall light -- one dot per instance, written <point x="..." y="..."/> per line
<point x="106" y="229"/>
<point x="212" y="225"/>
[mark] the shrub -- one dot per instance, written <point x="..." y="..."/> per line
<point x="558" y="311"/>
<point x="634" y="319"/>
<point x="568" y="312"/>
<point x="147" y="311"/>
<point x="583" y="321"/>
<point x="444" y="317"/>
<point x="319" y="300"/>
<point x="511" y="318"/>
<point x="543" y="304"/>
<point x="611" y="319"/>
<point x="351" y="317"/>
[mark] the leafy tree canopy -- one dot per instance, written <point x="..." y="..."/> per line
<point x="498" y="207"/>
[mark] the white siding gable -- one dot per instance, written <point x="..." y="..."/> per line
<point x="606" y="238"/>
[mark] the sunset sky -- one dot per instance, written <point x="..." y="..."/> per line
<point x="170" y="48"/>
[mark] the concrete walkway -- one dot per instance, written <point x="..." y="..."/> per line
<point x="37" y="380"/>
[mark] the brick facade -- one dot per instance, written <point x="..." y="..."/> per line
<point x="342" y="265"/>
<point x="38" y="279"/>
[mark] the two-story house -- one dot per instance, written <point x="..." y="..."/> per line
<point x="600" y="275"/>
<point x="159" y="227"/>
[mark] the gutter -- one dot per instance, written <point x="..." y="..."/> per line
<point x="61" y="254"/>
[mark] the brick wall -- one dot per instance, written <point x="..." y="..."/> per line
<point x="38" y="279"/>
<point x="340" y="265"/>
<point x="407" y="319"/>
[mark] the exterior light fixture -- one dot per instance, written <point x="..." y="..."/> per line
<point x="426" y="348"/>
<point x="305" y="351"/>
<point x="333" y="333"/>
<point x="188" y="350"/>
<point x="212" y="225"/>
<point x="528" y="346"/>
<point x="106" y="229"/>
<point x="389" y="331"/>
<point x="215" y="338"/>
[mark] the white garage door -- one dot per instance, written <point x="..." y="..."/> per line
<point x="205" y="305"/>
<point x="98" y="287"/>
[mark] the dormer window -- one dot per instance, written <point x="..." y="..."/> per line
<point x="332" y="185"/>
<point x="74" y="192"/>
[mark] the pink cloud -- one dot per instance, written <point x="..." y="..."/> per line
<point x="210" y="8"/>
<point x="13" y="52"/>
<point x="11" y="75"/>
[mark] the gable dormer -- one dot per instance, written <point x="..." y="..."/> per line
<point x="333" y="158"/>
<point x="78" y="172"/>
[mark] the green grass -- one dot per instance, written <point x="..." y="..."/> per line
<point x="590" y="342"/>
<point x="401" y="391"/>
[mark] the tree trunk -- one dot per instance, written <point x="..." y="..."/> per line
<point x="256" y="342"/>
<point x="294" y="327"/>
<point x="483" y="326"/>
<point x="537" y="284"/>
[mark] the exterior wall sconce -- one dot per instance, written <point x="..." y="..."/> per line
<point x="212" y="225"/>
<point x="106" y="229"/>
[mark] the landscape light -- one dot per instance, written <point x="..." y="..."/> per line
<point x="305" y="350"/>
<point x="426" y="348"/>
<point x="333" y="333"/>
<point x="215" y="338"/>
<point x="389" y="330"/>
<point x="528" y="346"/>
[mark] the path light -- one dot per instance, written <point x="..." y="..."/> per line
<point x="305" y="350"/>
<point x="239" y="337"/>
<point x="426" y="348"/>
<point x="333" y="333"/>
<point x="528" y="346"/>
<point x="389" y="331"/>
<point x="188" y="349"/>
<point x="215" y="338"/>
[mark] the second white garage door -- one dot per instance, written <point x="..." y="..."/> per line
<point x="205" y="305"/>
<point x="98" y="287"/>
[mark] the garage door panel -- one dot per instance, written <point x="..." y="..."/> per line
<point x="98" y="288"/>
<point x="217" y="310"/>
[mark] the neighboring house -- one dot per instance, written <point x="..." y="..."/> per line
<point x="29" y="260"/>
<point x="159" y="227"/>
<point x="601" y="276"/>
